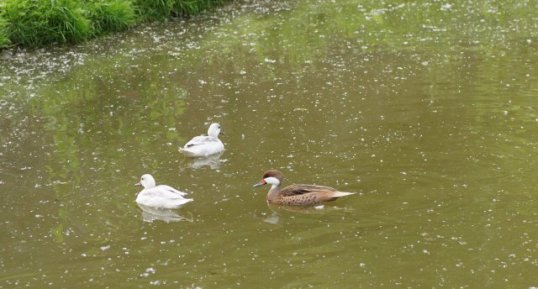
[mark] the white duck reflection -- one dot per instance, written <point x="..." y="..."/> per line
<point x="150" y="214"/>
<point x="212" y="161"/>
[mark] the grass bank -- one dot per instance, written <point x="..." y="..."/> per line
<point x="38" y="23"/>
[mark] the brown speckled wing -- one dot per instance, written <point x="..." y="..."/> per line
<point x="298" y="189"/>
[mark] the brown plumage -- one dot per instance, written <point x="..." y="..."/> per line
<point x="297" y="194"/>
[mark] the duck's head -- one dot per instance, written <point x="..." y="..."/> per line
<point x="147" y="181"/>
<point x="272" y="177"/>
<point x="214" y="130"/>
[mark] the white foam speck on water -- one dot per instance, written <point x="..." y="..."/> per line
<point x="446" y="7"/>
<point x="149" y="271"/>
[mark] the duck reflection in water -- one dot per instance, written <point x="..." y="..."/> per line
<point x="150" y="214"/>
<point x="278" y="211"/>
<point x="212" y="161"/>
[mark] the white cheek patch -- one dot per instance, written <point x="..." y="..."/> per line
<point x="272" y="181"/>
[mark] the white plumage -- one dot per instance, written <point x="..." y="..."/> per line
<point x="204" y="145"/>
<point x="161" y="196"/>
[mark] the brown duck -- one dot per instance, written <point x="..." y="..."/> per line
<point x="297" y="195"/>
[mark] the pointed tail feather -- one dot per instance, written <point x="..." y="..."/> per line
<point x="342" y="194"/>
<point x="187" y="152"/>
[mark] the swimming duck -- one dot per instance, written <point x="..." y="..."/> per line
<point x="161" y="196"/>
<point x="297" y="195"/>
<point x="204" y="145"/>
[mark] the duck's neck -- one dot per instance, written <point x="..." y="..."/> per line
<point x="273" y="193"/>
<point x="149" y="185"/>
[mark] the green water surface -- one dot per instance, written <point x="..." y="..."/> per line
<point x="427" y="109"/>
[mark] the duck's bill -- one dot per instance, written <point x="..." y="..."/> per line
<point x="138" y="184"/>
<point x="261" y="183"/>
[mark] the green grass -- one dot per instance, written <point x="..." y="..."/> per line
<point x="190" y="7"/>
<point x="37" y="23"/>
<point x="4" y="39"/>
<point x="163" y="9"/>
<point x="149" y="10"/>
<point x="111" y="16"/>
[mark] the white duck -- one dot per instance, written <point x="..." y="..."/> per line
<point x="161" y="196"/>
<point x="204" y="145"/>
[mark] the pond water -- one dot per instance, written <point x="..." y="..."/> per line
<point x="427" y="109"/>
